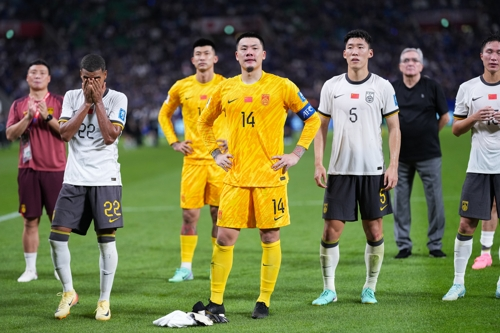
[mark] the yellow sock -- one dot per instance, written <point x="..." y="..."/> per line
<point x="271" y="263"/>
<point x="188" y="245"/>
<point x="222" y="262"/>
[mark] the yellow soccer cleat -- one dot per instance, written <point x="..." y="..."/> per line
<point x="69" y="299"/>
<point x="102" y="312"/>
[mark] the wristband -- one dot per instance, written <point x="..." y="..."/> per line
<point x="215" y="153"/>
<point x="49" y="118"/>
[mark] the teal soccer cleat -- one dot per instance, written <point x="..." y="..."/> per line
<point x="368" y="296"/>
<point x="327" y="296"/>
<point x="181" y="274"/>
<point x="456" y="291"/>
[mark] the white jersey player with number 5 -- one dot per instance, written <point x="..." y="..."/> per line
<point x="357" y="102"/>
<point x="92" y="120"/>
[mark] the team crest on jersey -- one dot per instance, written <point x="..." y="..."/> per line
<point x="122" y="114"/>
<point x="265" y="99"/>
<point x="219" y="215"/>
<point x="465" y="205"/>
<point x="50" y="110"/>
<point x="23" y="209"/>
<point x="325" y="208"/>
<point x="370" y="96"/>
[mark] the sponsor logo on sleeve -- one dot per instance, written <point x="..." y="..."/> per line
<point x="302" y="98"/>
<point x="122" y="114"/>
<point x="395" y="100"/>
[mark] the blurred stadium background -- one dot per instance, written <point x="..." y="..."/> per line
<point x="147" y="44"/>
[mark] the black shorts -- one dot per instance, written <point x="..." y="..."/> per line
<point x="478" y="192"/>
<point x="344" y="192"/>
<point x="77" y="206"/>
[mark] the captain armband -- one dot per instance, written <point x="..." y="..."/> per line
<point x="306" y="112"/>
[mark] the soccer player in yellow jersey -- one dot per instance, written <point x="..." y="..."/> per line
<point x="201" y="178"/>
<point x="254" y="106"/>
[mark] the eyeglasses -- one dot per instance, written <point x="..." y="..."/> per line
<point x="407" y="60"/>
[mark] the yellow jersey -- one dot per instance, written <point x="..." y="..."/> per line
<point x="192" y="96"/>
<point x="255" y="116"/>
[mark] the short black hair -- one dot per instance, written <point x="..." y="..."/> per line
<point x="92" y="63"/>
<point x="492" y="37"/>
<point x="203" y="42"/>
<point x="38" y="62"/>
<point x="250" y="35"/>
<point x="358" y="33"/>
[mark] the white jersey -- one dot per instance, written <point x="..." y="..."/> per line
<point x="356" y="109"/>
<point x="90" y="161"/>
<point x="485" y="147"/>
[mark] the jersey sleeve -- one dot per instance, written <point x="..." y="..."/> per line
<point x="118" y="112"/>
<point x="295" y="101"/>
<point x="325" y="102"/>
<point x="210" y="113"/>
<point x="461" y="107"/>
<point x="13" y="117"/>
<point x="67" y="107"/>
<point x="390" y="101"/>
<point x="166" y="112"/>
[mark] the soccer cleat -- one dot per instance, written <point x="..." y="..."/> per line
<point x="327" y="296"/>
<point x="260" y="311"/>
<point x="217" y="309"/>
<point x="69" y="299"/>
<point x="437" y="254"/>
<point x="181" y="274"/>
<point x="497" y="293"/>
<point x="102" y="312"/>
<point x="28" y="276"/>
<point x="368" y="296"/>
<point x="456" y="291"/>
<point x="483" y="261"/>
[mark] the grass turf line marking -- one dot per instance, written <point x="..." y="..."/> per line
<point x="9" y="216"/>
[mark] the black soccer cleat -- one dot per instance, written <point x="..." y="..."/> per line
<point x="260" y="311"/>
<point x="217" y="309"/>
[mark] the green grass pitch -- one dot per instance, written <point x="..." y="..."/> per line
<point x="409" y="291"/>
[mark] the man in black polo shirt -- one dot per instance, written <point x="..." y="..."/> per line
<point x="423" y="113"/>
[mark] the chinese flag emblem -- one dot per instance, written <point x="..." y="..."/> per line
<point x="265" y="99"/>
<point x="492" y="96"/>
<point x="203" y="97"/>
<point x="354" y="96"/>
<point x="248" y="99"/>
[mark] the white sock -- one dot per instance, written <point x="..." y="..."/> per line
<point x="30" y="259"/>
<point x="108" y="260"/>
<point x="329" y="259"/>
<point x="374" y="256"/>
<point x="61" y="258"/>
<point x="463" y="250"/>
<point x="187" y="265"/>
<point x="486" y="241"/>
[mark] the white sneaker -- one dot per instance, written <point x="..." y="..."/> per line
<point x="28" y="276"/>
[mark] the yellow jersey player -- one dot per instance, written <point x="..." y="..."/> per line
<point x="254" y="106"/>
<point x="201" y="180"/>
